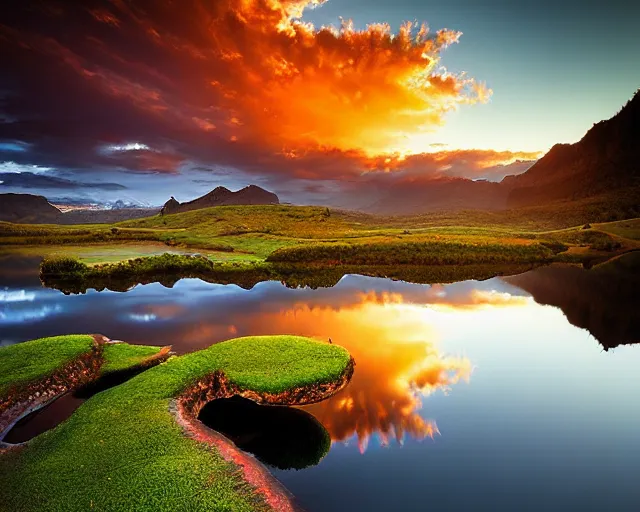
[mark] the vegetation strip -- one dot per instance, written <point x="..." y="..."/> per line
<point x="304" y="245"/>
<point x="129" y="451"/>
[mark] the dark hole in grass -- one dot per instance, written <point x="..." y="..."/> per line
<point x="282" y="437"/>
<point x="55" y="412"/>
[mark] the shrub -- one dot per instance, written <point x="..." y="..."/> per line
<point x="555" y="246"/>
<point x="413" y="253"/>
<point x="62" y="265"/>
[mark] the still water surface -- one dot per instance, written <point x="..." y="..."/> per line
<point x="469" y="396"/>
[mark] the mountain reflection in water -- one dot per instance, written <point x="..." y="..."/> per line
<point x="604" y="300"/>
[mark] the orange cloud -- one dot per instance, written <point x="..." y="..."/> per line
<point x="300" y="87"/>
<point x="293" y="86"/>
<point x="246" y="84"/>
<point x="472" y="159"/>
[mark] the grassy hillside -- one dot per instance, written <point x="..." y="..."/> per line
<point x="25" y="362"/>
<point x="255" y="239"/>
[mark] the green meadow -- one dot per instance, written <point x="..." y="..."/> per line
<point x="278" y="240"/>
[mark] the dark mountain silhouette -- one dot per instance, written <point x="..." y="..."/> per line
<point x="221" y="196"/>
<point x="603" y="300"/>
<point x="28" y="209"/>
<point x="603" y="168"/>
<point x="605" y="160"/>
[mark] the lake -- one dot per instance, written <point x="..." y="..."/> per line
<point x="517" y="393"/>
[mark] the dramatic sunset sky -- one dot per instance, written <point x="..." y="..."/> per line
<point x="317" y="101"/>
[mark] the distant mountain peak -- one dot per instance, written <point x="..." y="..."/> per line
<point x="222" y="196"/>
<point x="27" y="208"/>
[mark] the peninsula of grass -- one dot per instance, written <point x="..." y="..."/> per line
<point x="120" y="357"/>
<point x="128" y="448"/>
<point x="25" y="363"/>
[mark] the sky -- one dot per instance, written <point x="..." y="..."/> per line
<point x="318" y="101"/>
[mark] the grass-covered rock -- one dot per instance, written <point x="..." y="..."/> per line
<point x="126" y="449"/>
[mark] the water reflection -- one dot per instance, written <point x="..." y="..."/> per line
<point x="397" y="364"/>
<point x="547" y="413"/>
<point x="387" y="327"/>
<point x="604" y="300"/>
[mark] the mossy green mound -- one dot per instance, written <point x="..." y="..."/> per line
<point x="124" y="450"/>
<point x="32" y="360"/>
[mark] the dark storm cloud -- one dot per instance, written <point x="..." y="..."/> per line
<point x="39" y="181"/>
<point x="162" y="87"/>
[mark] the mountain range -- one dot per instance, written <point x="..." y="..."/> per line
<point x="606" y="159"/>
<point x="605" y="162"/>
<point x="221" y="196"/>
<point x="600" y="173"/>
<point x="28" y="208"/>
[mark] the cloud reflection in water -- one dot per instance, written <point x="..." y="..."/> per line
<point x="391" y="328"/>
<point x="398" y="362"/>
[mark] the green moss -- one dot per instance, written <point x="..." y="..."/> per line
<point x="122" y="356"/>
<point x="32" y="360"/>
<point x="123" y="450"/>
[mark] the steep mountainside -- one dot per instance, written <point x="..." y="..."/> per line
<point x="606" y="159"/>
<point x="221" y="196"/>
<point x="28" y="209"/>
<point x="604" y="168"/>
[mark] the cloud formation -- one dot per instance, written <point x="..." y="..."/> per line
<point x="243" y="84"/>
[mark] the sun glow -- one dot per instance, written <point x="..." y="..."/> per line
<point x="301" y="88"/>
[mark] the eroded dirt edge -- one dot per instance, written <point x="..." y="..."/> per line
<point x="188" y="405"/>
